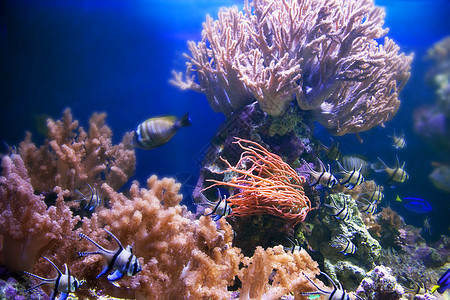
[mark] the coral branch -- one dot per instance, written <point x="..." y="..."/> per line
<point x="324" y="53"/>
<point x="70" y="159"/>
<point x="266" y="185"/>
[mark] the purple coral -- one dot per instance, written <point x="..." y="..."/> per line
<point x="379" y="284"/>
<point x="325" y="54"/>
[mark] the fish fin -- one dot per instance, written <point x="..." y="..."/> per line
<point x="185" y="121"/>
<point x="103" y="272"/>
<point x="434" y="288"/>
<point x="63" y="296"/>
<point x="217" y="217"/>
<point x="116" y="275"/>
<point x="171" y="119"/>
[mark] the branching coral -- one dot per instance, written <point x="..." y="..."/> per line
<point x="27" y="227"/>
<point x="323" y="53"/>
<point x="180" y="256"/>
<point x="70" y="159"/>
<point x="266" y="185"/>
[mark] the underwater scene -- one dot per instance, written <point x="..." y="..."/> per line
<point x="225" y="149"/>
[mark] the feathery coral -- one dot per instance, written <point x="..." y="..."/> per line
<point x="180" y="256"/>
<point x="27" y="227"/>
<point x="323" y="53"/>
<point x="69" y="159"/>
<point x="267" y="185"/>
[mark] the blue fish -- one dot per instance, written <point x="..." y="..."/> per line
<point x="416" y="205"/>
<point x="443" y="283"/>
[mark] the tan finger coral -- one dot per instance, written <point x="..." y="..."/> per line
<point x="72" y="157"/>
<point x="325" y="54"/>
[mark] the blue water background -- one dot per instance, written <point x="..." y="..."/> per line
<point x="117" y="57"/>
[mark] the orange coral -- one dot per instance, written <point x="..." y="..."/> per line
<point x="70" y="159"/>
<point x="27" y="227"/>
<point x="268" y="186"/>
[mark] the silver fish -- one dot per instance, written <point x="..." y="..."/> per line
<point x="396" y="174"/>
<point x="366" y="206"/>
<point x="341" y="213"/>
<point x="342" y="242"/>
<point x="322" y="177"/>
<point x="62" y="283"/>
<point x="337" y="293"/>
<point x="295" y="245"/>
<point x="92" y="201"/>
<point x="440" y="177"/>
<point x="220" y="208"/>
<point x="332" y="152"/>
<point x="375" y="196"/>
<point x="350" y="162"/>
<point x="350" y="179"/>
<point x="119" y="262"/>
<point x="398" y="142"/>
<point x="157" y="131"/>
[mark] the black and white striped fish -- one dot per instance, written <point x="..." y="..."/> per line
<point x="398" y="142"/>
<point x="366" y="206"/>
<point x="323" y="177"/>
<point x="294" y="245"/>
<point x="62" y="283"/>
<point x="342" y="242"/>
<point x="92" y="201"/>
<point x="119" y="262"/>
<point x="395" y="175"/>
<point x="332" y="152"/>
<point x="350" y="179"/>
<point x="338" y="292"/>
<point x="374" y="196"/>
<point x="341" y="213"/>
<point x="157" y="131"/>
<point x="220" y="208"/>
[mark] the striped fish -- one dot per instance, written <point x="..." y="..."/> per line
<point x="119" y="262"/>
<point x="62" y="283"/>
<point x="332" y="152"/>
<point x="92" y="201"/>
<point x="157" y="131"/>
<point x="375" y="196"/>
<point x="342" y="242"/>
<point x="350" y="162"/>
<point x="350" y="179"/>
<point x="294" y="245"/>
<point x="398" y="142"/>
<point x="337" y="293"/>
<point x="396" y="174"/>
<point x="322" y="177"/>
<point x="366" y="206"/>
<point x="340" y="213"/>
<point x="220" y="208"/>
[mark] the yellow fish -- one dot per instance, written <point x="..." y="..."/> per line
<point x="395" y="175"/>
<point x="398" y="142"/>
<point x="157" y="131"/>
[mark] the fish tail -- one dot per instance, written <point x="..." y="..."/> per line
<point x="434" y="288"/>
<point x="185" y="121"/>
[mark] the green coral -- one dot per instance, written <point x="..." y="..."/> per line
<point x="286" y="123"/>
<point x="348" y="269"/>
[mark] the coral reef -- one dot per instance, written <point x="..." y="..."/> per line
<point x="379" y="284"/>
<point x="348" y="269"/>
<point x="265" y="184"/>
<point x="72" y="157"/>
<point x="324" y="54"/>
<point x="180" y="255"/>
<point x="28" y="228"/>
